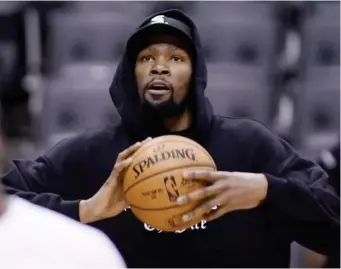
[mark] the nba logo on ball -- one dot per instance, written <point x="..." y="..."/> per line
<point x="171" y="188"/>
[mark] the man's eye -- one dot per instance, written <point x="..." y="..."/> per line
<point x="176" y="58"/>
<point x="146" y="58"/>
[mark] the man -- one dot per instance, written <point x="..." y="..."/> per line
<point x="34" y="237"/>
<point x="329" y="160"/>
<point x="267" y="195"/>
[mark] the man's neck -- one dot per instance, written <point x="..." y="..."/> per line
<point x="179" y="123"/>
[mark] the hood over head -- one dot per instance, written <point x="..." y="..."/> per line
<point x="123" y="89"/>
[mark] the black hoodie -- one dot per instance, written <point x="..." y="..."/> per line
<point x="300" y="204"/>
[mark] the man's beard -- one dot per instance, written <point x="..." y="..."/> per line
<point x="153" y="116"/>
<point x="164" y="110"/>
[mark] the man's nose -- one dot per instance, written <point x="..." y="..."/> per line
<point x="160" y="69"/>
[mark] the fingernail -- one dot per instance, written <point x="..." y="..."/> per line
<point x="147" y="139"/>
<point x="186" y="174"/>
<point x="181" y="200"/>
<point x="129" y="160"/>
<point x="186" y="217"/>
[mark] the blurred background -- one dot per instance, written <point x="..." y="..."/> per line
<point x="276" y="62"/>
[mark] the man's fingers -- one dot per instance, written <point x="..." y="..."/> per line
<point x="122" y="204"/>
<point x="123" y="161"/>
<point x="233" y="200"/>
<point x="118" y="168"/>
<point x="203" y="193"/>
<point x="227" y="208"/>
<point x="218" y="213"/>
<point x="205" y="208"/>
<point x="204" y="175"/>
<point x="129" y="151"/>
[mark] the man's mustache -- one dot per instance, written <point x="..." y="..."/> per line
<point x="159" y="79"/>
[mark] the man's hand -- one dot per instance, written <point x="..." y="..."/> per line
<point x="108" y="201"/>
<point x="229" y="191"/>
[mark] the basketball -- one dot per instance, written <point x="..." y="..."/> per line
<point x="154" y="181"/>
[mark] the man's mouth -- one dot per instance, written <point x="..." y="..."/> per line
<point x="158" y="88"/>
<point x="157" y="91"/>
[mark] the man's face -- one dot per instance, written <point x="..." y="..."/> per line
<point x="163" y="73"/>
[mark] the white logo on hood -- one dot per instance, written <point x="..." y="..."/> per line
<point x="158" y="19"/>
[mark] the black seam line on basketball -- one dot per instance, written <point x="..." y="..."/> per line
<point x="165" y="171"/>
<point x="184" y="142"/>
<point x="154" y="209"/>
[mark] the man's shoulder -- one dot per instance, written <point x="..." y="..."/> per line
<point x="83" y="141"/>
<point x="239" y="126"/>
<point x="107" y="132"/>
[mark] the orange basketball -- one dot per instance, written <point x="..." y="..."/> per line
<point x="154" y="180"/>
